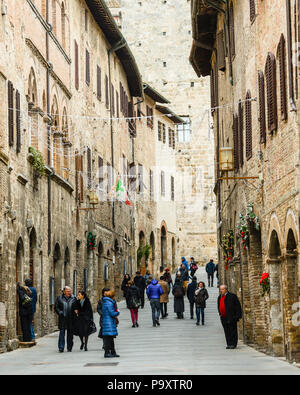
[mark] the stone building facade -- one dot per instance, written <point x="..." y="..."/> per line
<point x="248" y="49"/>
<point x="70" y="87"/>
<point x="162" y="52"/>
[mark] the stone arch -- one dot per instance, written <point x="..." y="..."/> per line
<point x="274" y="225"/>
<point x="32" y="93"/>
<point x="291" y="225"/>
<point x="32" y="98"/>
<point x="66" y="144"/>
<point x="57" y="135"/>
<point x="57" y="270"/>
<point x="67" y="268"/>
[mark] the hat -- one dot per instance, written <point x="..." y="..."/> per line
<point x="167" y="269"/>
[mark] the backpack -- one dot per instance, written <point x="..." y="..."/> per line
<point x="178" y="292"/>
<point x="194" y="266"/>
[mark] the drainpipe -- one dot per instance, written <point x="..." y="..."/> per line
<point x="48" y="127"/>
<point x="116" y="47"/>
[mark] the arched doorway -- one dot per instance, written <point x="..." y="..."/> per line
<point x="276" y="310"/>
<point x="100" y="282"/>
<point x="19" y="279"/>
<point x="291" y="298"/>
<point x="163" y="245"/>
<point x="57" y="271"/>
<point x="67" y="268"/>
<point x="152" y="253"/>
<point x="141" y="265"/>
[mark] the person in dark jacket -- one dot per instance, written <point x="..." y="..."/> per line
<point x="99" y="310"/>
<point x="154" y="291"/>
<point x="124" y="287"/>
<point x="178" y="292"/>
<point x="64" y="308"/>
<point x="84" y="312"/>
<point x="201" y="296"/>
<point x="168" y="278"/>
<point x="230" y="311"/>
<point x="184" y="276"/>
<point x="190" y="295"/>
<point x="25" y="311"/>
<point x="217" y="273"/>
<point x="133" y="301"/>
<point x="109" y="324"/>
<point x="210" y="270"/>
<point x="29" y="284"/>
<point x="140" y="283"/>
<point x="193" y="267"/>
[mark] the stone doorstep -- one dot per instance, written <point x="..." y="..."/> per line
<point x="27" y="344"/>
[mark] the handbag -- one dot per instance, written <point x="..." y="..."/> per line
<point x="92" y="328"/>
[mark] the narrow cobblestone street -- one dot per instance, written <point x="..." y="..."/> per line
<point x="177" y="347"/>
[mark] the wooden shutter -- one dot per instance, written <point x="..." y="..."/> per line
<point x="100" y="174"/>
<point x="235" y="142"/>
<point x="172" y="188"/>
<point x="221" y="51"/>
<point x="77" y="181"/>
<point x="87" y="67"/>
<point x="132" y="177"/>
<point x="10" y="103"/>
<point x="262" y="107"/>
<point x="241" y="133"/>
<point x="81" y="178"/>
<point x="89" y="168"/>
<point x="98" y="82"/>
<point x="281" y="55"/>
<point x="248" y="107"/>
<point x="170" y="137"/>
<point x="140" y="179"/>
<point x="252" y="10"/>
<point x="18" y="121"/>
<point x="164" y="133"/>
<point x="76" y="66"/>
<point x="159" y="131"/>
<point x="270" y="73"/>
<point x="113" y="100"/>
<point x="106" y="92"/>
<point x="174" y="142"/>
<point x="231" y="31"/>
<point x="131" y="122"/>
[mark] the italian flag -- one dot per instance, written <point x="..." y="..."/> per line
<point x="121" y="193"/>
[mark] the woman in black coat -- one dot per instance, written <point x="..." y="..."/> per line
<point x="25" y="311"/>
<point x="84" y="312"/>
<point x="201" y="296"/>
<point x="178" y="292"/>
<point x="124" y="287"/>
<point x="133" y="301"/>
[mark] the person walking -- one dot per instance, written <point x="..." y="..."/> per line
<point x="64" y="308"/>
<point x="109" y="324"/>
<point x="164" y="298"/>
<point x="147" y="275"/>
<point x="133" y="301"/>
<point x="140" y="283"/>
<point x="190" y="295"/>
<point x="201" y="296"/>
<point x="185" y="262"/>
<point x="124" y="287"/>
<point x="230" y="311"/>
<point x="168" y="278"/>
<point x="25" y="311"/>
<point x="210" y="270"/>
<point x="217" y="273"/>
<point x="193" y="267"/>
<point x="149" y="281"/>
<point x="33" y="291"/>
<point x="184" y="276"/>
<point x="84" y="312"/>
<point x="178" y="292"/>
<point x="154" y="291"/>
<point x="99" y="310"/>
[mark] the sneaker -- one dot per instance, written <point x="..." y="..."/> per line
<point x="61" y="350"/>
<point x="157" y="321"/>
<point x="197" y="323"/>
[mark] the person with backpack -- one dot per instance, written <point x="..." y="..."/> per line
<point x="25" y="311"/>
<point x="190" y="295"/>
<point x="133" y="302"/>
<point x="193" y="267"/>
<point x="140" y="283"/>
<point x="124" y="287"/>
<point x="154" y="292"/>
<point x="164" y="298"/>
<point x="201" y="296"/>
<point x="178" y="292"/>
<point x="210" y="270"/>
<point x="29" y="284"/>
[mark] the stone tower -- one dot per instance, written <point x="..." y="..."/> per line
<point x="159" y="35"/>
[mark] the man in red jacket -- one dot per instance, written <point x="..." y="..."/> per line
<point x="230" y="311"/>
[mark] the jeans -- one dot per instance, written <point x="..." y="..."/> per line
<point x="210" y="278"/>
<point x="192" y="304"/>
<point x="163" y="309"/>
<point x="134" y="315"/>
<point x="32" y="330"/>
<point x="198" y="311"/>
<point x="61" y="339"/>
<point x="155" y="306"/>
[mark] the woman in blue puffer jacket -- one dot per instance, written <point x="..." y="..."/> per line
<point x="109" y="324"/>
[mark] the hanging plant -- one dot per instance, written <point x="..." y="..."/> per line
<point x="243" y="225"/>
<point x="91" y="241"/>
<point x="147" y="251"/>
<point x="228" y="247"/>
<point x="140" y="254"/>
<point x="265" y="283"/>
<point x="38" y="161"/>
